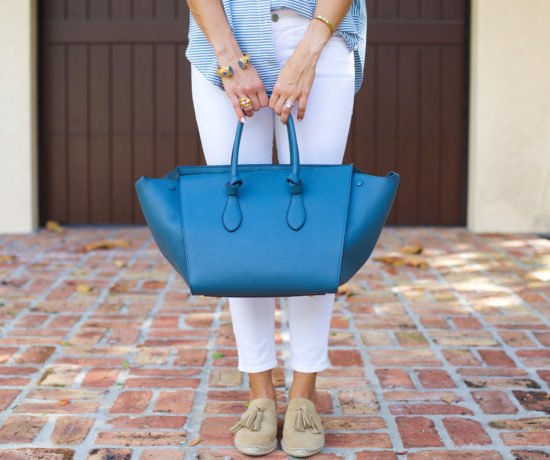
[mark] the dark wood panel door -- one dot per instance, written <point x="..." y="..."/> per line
<point x="115" y="103"/>
<point x="411" y="112"/>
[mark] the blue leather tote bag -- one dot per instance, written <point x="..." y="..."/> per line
<point x="266" y="230"/>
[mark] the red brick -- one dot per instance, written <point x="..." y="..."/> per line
<point x="37" y="453"/>
<point x="358" y="401"/>
<point x="71" y="430"/>
<point x="376" y="455"/>
<point x="530" y="455"/>
<point x="494" y="402"/>
<point x="455" y="455"/>
<point x="497" y="358"/>
<point x="131" y="402"/>
<point x="164" y="454"/>
<point x="467" y="322"/>
<point x="466" y="432"/>
<point x="434" y="322"/>
<point x="150" y="421"/>
<point x="101" y="377"/>
<point x="140" y="438"/>
<point x="6" y="353"/>
<point x="394" y="378"/>
<point x="411" y="339"/>
<point x="533" y="400"/>
<point x="459" y="357"/>
<point x="21" y="428"/>
<point x="526" y="438"/>
<point x="110" y="454"/>
<point x="516" y="339"/>
<point x="345" y="358"/>
<point x="534" y="358"/>
<point x="404" y="358"/>
<point x="35" y="355"/>
<point x="435" y="378"/>
<point x="352" y="440"/>
<point x="175" y="402"/>
<point x="429" y="409"/>
<point x="6" y="397"/>
<point x="418" y="432"/>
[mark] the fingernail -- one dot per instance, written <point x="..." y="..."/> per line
<point x="242" y="120"/>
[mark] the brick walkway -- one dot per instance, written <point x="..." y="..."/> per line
<point x="105" y="355"/>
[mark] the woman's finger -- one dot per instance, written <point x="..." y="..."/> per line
<point x="287" y="106"/>
<point x="255" y="102"/>
<point x="302" y="107"/>
<point x="236" y="106"/>
<point x="275" y="96"/>
<point x="280" y="105"/>
<point x="249" y="111"/>
<point x="262" y="97"/>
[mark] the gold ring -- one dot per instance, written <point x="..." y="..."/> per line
<point x="245" y="102"/>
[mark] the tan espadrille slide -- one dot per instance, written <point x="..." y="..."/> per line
<point x="256" y="431"/>
<point x="303" y="433"/>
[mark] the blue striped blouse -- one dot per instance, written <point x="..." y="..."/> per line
<point x="250" y="21"/>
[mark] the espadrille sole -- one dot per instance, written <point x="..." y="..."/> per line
<point x="257" y="450"/>
<point x="300" y="452"/>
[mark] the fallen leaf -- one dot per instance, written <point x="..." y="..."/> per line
<point x="411" y="249"/>
<point x="106" y="244"/>
<point x="7" y="258"/>
<point x="217" y="354"/>
<point x="120" y="263"/>
<point x="348" y="289"/>
<point x="416" y="261"/>
<point x="194" y="442"/>
<point x="54" y="226"/>
<point x="84" y="288"/>
<point x="119" y="287"/>
<point x="449" y="399"/>
<point x="63" y="402"/>
<point x="396" y="261"/>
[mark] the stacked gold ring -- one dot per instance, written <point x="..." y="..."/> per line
<point x="245" y="102"/>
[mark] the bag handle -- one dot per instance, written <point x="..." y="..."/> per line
<point x="295" y="215"/>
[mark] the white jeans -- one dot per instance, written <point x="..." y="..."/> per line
<point x="322" y="136"/>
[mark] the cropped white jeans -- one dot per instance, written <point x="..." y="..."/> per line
<point x="322" y="136"/>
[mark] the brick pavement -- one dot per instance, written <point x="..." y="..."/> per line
<point x="442" y="355"/>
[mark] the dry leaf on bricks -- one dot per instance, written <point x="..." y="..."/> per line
<point x="54" y="226"/>
<point x="106" y="244"/>
<point x="411" y="249"/>
<point x="349" y="289"/>
<point x="84" y="288"/>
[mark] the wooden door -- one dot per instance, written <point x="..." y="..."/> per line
<point x="411" y="112"/>
<point x="115" y="103"/>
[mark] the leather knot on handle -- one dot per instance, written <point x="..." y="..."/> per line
<point x="296" y="212"/>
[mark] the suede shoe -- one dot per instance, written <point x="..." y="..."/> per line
<point x="256" y="431"/>
<point x="303" y="433"/>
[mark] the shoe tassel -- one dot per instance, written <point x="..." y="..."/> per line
<point x="304" y="419"/>
<point x="252" y="421"/>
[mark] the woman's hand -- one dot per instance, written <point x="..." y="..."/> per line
<point x="296" y="77"/>
<point x="210" y="17"/>
<point x="244" y="83"/>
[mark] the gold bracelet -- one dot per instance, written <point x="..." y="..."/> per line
<point x="226" y="71"/>
<point x="244" y="61"/>
<point x="326" y="21"/>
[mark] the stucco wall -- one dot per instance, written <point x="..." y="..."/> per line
<point x="509" y="153"/>
<point x="18" y="204"/>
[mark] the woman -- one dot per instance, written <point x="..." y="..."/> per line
<point x="264" y="60"/>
